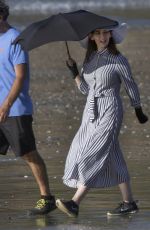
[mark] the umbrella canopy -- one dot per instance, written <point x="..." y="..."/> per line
<point x="73" y="26"/>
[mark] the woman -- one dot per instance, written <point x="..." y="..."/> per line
<point x="95" y="159"/>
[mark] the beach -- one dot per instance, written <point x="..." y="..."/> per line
<point x="58" y="107"/>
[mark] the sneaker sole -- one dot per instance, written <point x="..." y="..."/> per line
<point x="37" y="212"/>
<point x="121" y="214"/>
<point x="62" y="207"/>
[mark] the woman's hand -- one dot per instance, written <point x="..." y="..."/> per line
<point x="142" y="118"/>
<point x="71" y="64"/>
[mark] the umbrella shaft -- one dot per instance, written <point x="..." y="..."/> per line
<point x="68" y="52"/>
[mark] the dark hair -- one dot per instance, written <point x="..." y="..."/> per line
<point x="4" y="10"/>
<point x="93" y="47"/>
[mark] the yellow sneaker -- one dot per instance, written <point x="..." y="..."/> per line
<point x="43" y="206"/>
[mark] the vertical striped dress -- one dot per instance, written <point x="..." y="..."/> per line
<point x="95" y="158"/>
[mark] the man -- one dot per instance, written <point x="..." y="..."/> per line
<point x="16" y="110"/>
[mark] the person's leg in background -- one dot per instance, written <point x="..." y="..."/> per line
<point x="128" y="206"/>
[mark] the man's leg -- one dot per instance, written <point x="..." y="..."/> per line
<point x="4" y="145"/>
<point x="47" y="201"/>
<point x="37" y="165"/>
<point x="19" y="134"/>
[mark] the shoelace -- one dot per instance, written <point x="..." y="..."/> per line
<point x="41" y="203"/>
<point x="120" y="205"/>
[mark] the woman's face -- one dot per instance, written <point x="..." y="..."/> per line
<point x="101" y="38"/>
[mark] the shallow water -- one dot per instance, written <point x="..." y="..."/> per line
<point x="18" y="193"/>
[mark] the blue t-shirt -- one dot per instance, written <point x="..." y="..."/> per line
<point x="10" y="56"/>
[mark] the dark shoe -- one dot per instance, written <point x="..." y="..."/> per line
<point x="124" y="208"/>
<point x="43" y="206"/>
<point x="68" y="207"/>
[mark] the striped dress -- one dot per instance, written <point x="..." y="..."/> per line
<point x="95" y="158"/>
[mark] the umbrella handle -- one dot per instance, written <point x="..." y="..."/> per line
<point x="68" y="52"/>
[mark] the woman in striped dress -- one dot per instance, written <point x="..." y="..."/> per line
<point x="95" y="159"/>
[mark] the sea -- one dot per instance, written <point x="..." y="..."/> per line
<point x="135" y="12"/>
<point x="55" y="6"/>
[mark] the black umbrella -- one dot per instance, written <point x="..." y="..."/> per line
<point x="73" y="26"/>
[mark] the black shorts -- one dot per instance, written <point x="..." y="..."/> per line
<point x="17" y="133"/>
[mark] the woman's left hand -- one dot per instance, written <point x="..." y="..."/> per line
<point x="142" y="118"/>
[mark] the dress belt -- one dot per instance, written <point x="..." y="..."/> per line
<point x="92" y="109"/>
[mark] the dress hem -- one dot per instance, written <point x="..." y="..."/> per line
<point x="75" y="184"/>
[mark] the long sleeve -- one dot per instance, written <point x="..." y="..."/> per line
<point x="83" y="87"/>
<point x="125" y="74"/>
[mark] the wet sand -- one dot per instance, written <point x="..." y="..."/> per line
<point x="58" y="109"/>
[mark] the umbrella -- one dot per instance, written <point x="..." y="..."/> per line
<point x="72" y="26"/>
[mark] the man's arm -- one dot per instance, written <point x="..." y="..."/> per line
<point x="20" y="71"/>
